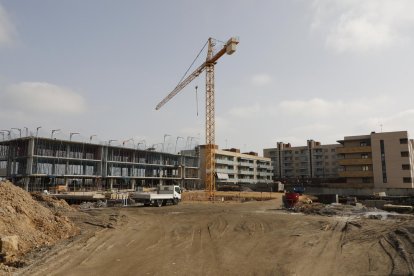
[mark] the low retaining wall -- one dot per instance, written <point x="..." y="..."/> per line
<point x="327" y="198"/>
<point x="358" y="192"/>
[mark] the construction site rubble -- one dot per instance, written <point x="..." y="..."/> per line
<point x="336" y="209"/>
<point x="89" y="205"/>
<point x="26" y="224"/>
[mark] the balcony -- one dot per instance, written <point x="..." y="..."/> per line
<point x="356" y="174"/>
<point x="364" y="149"/>
<point x="355" y="161"/>
<point x="246" y="180"/>
<point x="225" y="161"/>
<point x="246" y="172"/>
<point x="245" y="164"/>
<point x="228" y="171"/>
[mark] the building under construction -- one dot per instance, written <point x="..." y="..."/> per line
<point x="38" y="164"/>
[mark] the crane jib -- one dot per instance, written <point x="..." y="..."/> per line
<point x="228" y="48"/>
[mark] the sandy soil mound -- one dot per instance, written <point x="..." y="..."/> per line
<point x="26" y="224"/>
<point x="52" y="203"/>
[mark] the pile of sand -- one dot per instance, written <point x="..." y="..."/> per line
<point x="26" y="224"/>
<point x="52" y="203"/>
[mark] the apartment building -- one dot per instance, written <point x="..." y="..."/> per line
<point x="41" y="163"/>
<point x="235" y="168"/>
<point x="311" y="161"/>
<point x="379" y="160"/>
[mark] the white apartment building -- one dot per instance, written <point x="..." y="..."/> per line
<point x="235" y="168"/>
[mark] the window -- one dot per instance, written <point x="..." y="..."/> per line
<point x="365" y="168"/>
<point x="366" y="180"/>
<point x="363" y="144"/>
<point x="383" y="164"/>
<point x="407" y="179"/>
<point x="364" y="156"/>
<point x="333" y="150"/>
<point x="406" y="166"/>
<point x="404" y="154"/>
<point x="403" y="141"/>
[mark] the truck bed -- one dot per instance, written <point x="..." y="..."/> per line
<point x="151" y="196"/>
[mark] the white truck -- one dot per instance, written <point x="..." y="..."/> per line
<point x="165" y="194"/>
<point x="280" y="186"/>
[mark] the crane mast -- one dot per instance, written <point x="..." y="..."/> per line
<point x="210" y="123"/>
<point x="208" y="65"/>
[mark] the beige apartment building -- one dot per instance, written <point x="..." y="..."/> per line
<point x="378" y="160"/>
<point x="235" y="168"/>
<point x="311" y="161"/>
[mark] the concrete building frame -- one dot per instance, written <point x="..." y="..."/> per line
<point x="38" y="164"/>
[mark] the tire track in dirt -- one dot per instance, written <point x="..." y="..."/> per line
<point x="398" y="245"/>
<point x="325" y="254"/>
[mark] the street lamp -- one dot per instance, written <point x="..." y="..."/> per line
<point x="37" y="130"/>
<point x="142" y="142"/>
<point x="190" y="142"/>
<point x="71" y="134"/>
<point x="130" y="139"/>
<point x="20" y="131"/>
<point x="163" y="144"/>
<point x="175" y="150"/>
<point x="109" y="142"/>
<point x="168" y="147"/>
<point x="154" y="145"/>
<point x="53" y="131"/>
<point x="90" y="138"/>
<point x="8" y="132"/>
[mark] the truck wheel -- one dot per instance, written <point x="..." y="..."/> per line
<point x="175" y="201"/>
<point x="159" y="202"/>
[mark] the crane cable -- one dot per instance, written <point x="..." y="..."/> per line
<point x="199" y="53"/>
<point x="196" y="98"/>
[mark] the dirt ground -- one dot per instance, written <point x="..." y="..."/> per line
<point x="251" y="238"/>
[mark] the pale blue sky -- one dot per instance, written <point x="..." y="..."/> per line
<point x="303" y="69"/>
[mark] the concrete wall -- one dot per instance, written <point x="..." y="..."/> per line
<point x="357" y="192"/>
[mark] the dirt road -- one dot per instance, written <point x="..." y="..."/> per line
<point x="252" y="238"/>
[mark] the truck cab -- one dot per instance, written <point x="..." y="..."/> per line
<point x="170" y="189"/>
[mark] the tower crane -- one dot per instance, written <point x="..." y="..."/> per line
<point x="228" y="48"/>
